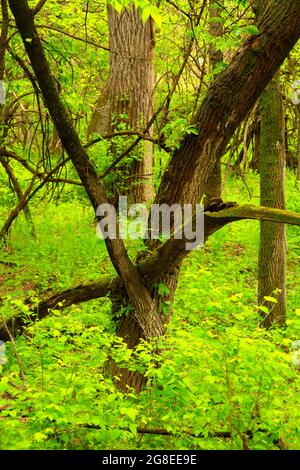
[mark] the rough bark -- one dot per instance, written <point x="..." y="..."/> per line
<point x="127" y="98"/>
<point x="272" y="252"/>
<point x="228" y="101"/>
<point x="212" y="188"/>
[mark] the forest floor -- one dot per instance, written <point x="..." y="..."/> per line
<point x="223" y="383"/>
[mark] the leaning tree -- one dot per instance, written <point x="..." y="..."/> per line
<point x="226" y="104"/>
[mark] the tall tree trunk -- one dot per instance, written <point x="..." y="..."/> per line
<point x="293" y="71"/>
<point x="213" y="186"/>
<point x="128" y="96"/>
<point x="272" y="252"/>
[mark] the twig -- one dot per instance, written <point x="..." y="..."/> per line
<point x="22" y="372"/>
<point x="38" y="7"/>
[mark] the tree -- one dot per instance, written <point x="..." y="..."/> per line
<point x="213" y="186"/>
<point x="127" y="98"/>
<point x="4" y="115"/>
<point x="272" y="252"/>
<point x="296" y="103"/>
<point x="226" y="104"/>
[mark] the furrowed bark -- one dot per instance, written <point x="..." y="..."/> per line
<point x="228" y="101"/>
<point x="272" y="253"/>
<point x="128" y="94"/>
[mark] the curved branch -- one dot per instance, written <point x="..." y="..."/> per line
<point x="256" y="213"/>
<point x="38" y="7"/>
<point x="165" y="258"/>
<point x="58" y="301"/>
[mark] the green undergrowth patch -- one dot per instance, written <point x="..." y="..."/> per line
<point x="215" y="381"/>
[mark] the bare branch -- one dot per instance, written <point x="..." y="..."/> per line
<point x="73" y="36"/>
<point x="38" y="7"/>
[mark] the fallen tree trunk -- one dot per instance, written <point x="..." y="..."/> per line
<point x="58" y="301"/>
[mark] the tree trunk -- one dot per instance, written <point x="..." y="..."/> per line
<point x="130" y="331"/>
<point x="127" y="98"/>
<point x="228" y="101"/>
<point x="213" y="186"/>
<point x="272" y="252"/>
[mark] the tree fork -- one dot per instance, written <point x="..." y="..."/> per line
<point x="153" y="267"/>
<point x="226" y="104"/>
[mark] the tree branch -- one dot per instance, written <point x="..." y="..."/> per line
<point x="256" y="213"/>
<point x="27" y="196"/>
<point x="228" y="101"/>
<point x="145" y="309"/>
<point x="58" y="301"/>
<point x="38" y="7"/>
<point x="164" y="259"/>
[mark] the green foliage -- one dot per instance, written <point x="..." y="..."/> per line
<point x="214" y="372"/>
<point x="146" y="8"/>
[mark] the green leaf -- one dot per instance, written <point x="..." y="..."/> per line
<point x="263" y="308"/>
<point x="270" y="299"/>
<point x="163" y="289"/>
<point x="39" y="436"/>
<point x="216" y="19"/>
<point x="118" y="6"/>
<point x="252" y="29"/>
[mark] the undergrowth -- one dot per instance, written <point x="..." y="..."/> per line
<point x="219" y="382"/>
